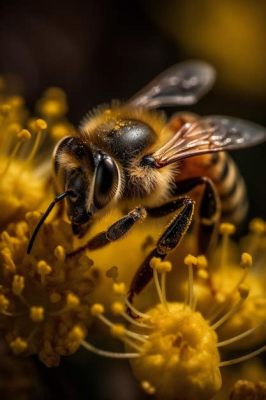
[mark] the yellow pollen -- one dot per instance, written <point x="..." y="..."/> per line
<point x="72" y="300"/>
<point x="18" y="345"/>
<point x="18" y="284"/>
<point x="257" y="226"/>
<point x="203" y="274"/>
<point x="202" y="262"/>
<point x="74" y="338"/>
<point x="97" y="309"/>
<point x="60" y="253"/>
<point x="43" y="269"/>
<point x="4" y="303"/>
<point x="147" y="387"/>
<point x="39" y="125"/>
<point x="24" y="135"/>
<point x="8" y="262"/>
<point x="243" y="291"/>
<point x="246" y="260"/>
<point x="190" y="260"/>
<point x="155" y="262"/>
<point x="37" y="314"/>
<point x="227" y="229"/>
<point x="118" y="330"/>
<point x="164" y="266"/>
<point x="117" y="308"/>
<point x="119" y="288"/>
<point x="55" y="297"/>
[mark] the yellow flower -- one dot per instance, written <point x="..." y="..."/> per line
<point x="174" y="347"/>
<point x="45" y="296"/>
<point x="25" y="155"/>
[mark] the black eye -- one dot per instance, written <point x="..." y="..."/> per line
<point x="105" y="182"/>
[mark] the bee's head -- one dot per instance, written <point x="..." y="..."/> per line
<point x="89" y="175"/>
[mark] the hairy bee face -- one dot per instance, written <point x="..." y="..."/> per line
<point x="89" y="175"/>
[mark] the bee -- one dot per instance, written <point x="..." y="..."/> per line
<point x="130" y="155"/>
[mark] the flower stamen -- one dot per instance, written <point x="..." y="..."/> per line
<point x="243" y="358"/>
<point x="108" y="354"/>
<point x="238" y="337"/>
<point x="190" y="261"/>
<point x="243" y="291"/>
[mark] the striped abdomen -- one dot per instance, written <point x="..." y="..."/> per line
<point x="222" y="170"/>
<point x="230" y="185"/>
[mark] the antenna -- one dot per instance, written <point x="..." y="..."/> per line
<point x="58" y="198"/>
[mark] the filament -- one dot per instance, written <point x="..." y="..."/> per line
<point x="163" y="281"/>
<point x="238" y="337"/>
<point x="225" y="241"/>
<point x="105" y="353"/>
<point x="134" y="335"/>
<point x="228" y="314"/>
<point x="12" y="156"/>
<point x="134" y="309"/>
<point x="134" y="322"/>
<point x="190" y="285"/>
<point x="243" y="358"/>
<point x="35" y="147"/>
<point x="158" y="287"/>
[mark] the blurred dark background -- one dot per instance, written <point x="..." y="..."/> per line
<point x="100" y="50"/>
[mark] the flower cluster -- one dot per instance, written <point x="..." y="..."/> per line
<point x="44" y="297"/>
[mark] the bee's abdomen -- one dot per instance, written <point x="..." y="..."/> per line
<point x="231" y="187"/>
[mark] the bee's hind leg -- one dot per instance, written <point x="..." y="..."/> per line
<point x="209" y="209"/>
<point x="168" y="241"/>
<point x="116" y="231"/>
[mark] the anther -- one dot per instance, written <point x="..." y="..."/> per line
<point x="60" y="253"/>
<point x="4" y="303"/>
<point x="43" y="269"/>
<point x="72" y="301"/>
<point x="118" y="330"/>
<point x="18" y="284"/>
<point x="39" y="124"/>
<point x="257" y="226"/>
<point x="97" y="309"/>
<point x="190" y="260"/>
<point x="227" y="229"/>
<point x="24" y="135"/>
<point x="202" y="262"/>
<point x="147" y="387"/>
<point x="37" y="314"/>
<point x="119" y="288"/>
<point x="18" y="345"/>
<point x="246" y="260"/>
<point x="117" y="308"/>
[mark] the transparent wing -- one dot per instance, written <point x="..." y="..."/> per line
<point x="207" y="135"/>
<point x="182" y="84"/>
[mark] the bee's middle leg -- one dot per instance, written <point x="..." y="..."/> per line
<point x="116" y="231"/>
<point x="168" y="241"/>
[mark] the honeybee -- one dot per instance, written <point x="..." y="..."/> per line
<point x="131" y="155"/>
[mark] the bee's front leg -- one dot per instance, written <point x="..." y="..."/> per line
<point x="168" y="241"/>
<point x="114" y="232"/>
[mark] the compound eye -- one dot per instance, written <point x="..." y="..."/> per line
<point x="105" y="182"/>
